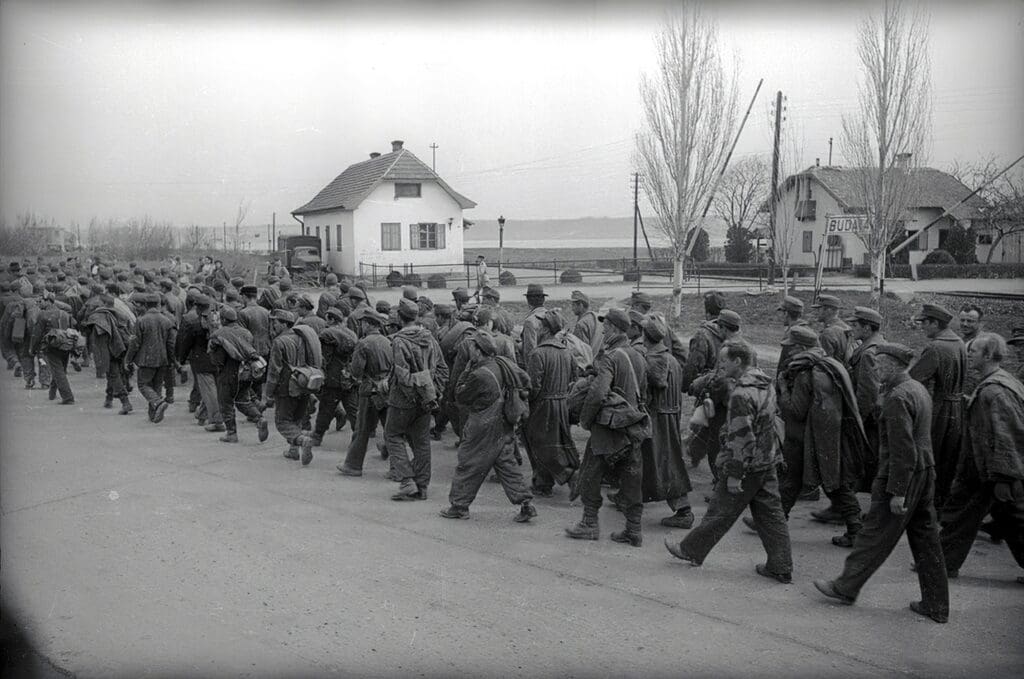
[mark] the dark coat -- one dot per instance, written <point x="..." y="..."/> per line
<point x="995" y="419"/>
<point x="153" y="343"/>
<point x="835" y="340"/>
<point x="414" y="349"/>
<point x="589" y="330"/>
<point x="941" y="369"/>
<point x="664" y="472"/>
<point x="620" y="369"/>
<point x="193" y="340"/>
<point x="371" y="361"/>
<point x="547" y="432"/>
<point x="704" y="347"/>
<point x="905" y="442"/>
<point x="337" y="343"/>
<point x="256" y="320"/>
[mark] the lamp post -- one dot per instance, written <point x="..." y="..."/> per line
<point x="501" y="244"/>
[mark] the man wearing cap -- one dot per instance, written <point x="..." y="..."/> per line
<point x="700" y="379"/>
<point x="824" y="440"/>
<point x="290" y="348"/>
<point x="547" y="433"/>
<point x="50" y="342"/>
<point x="331" y="284"/>
<point x="835" y="334"/>
<point x="337" y="344"/>
<point x="941" y="368"/>
<point x="586" y="327"/>
<point x="503" y="321"/>
<point x="426" y="318"/>
<point x="664" y="473"/>
<point x="990" y="477"/>
<point x="6" y="297"/>
<point x="460" y="297"/>
<point x="152" y="350"/>
<point x="641" y="302"/>
<point x="357" y="298"/>
<point x="636" y="331"/>
<point x="902" y="495"/>
<point x="791" y="310"/>
<point x="535" y="298"/>
<point x="970" y="319"/>
<point x="111" y="334"/>
<point x="456" y="356"/>
<point x="232" y="352"/>
<point x="371" y="366"/>
<point x="612" y="412"/>
<point x="306" y="316"/>
<point x="418" y="376"/>
<point x="1017" y="342"/>
<point x="747" y="462"/>
<point x="194" y="339"/>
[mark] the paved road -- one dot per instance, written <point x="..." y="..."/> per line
<point x="130" y="549"/>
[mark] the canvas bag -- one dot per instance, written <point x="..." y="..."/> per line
<point x="305" y="380"/>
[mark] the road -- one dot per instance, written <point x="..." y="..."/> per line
<point x="132" y="549"/>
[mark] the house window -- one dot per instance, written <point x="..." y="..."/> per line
<point x="317" y="230"/>
<point x="327" y="233"/>
<point x="407" y="190"/>
<point x="337" y="233"/>
<point x="808" y="241"/>
<point x="915" y="244"/>
<point x="426" y="236"/>
<point x="984" y="239"/>
<point x="391" y="236"/>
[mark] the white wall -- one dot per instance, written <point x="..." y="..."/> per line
<point x="330" y="220"/>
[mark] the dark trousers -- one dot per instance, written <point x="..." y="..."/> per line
<point x="329" y="397"/>
<point x="289" y="412"/>
<point x="101" y="355"/>
<point x="882" y="532"/>
<point x="366" y="422"/>
<point x="409" y="426"/>
<point x="969" y="502"/>
<point x="542" y="478"/>
<point x="27" y="361"/>
<point x="473" y="466"/>
<point x="195" y="398"/>
<point x="843" y="499"/>
<point x="151" y="384"/>
<point x="625" y="465"/>
<point x="169" y="376"/>
<point x="117" y="380"/>
<point x="760" y="492"/>
<point x="233" y="393"/>
<point x="706" y="441"/>
<point x="58" y="361"/>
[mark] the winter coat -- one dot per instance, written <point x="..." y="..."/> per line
<point x="664" y="472"/>
<point x="995" y="420"/>
<point x="905" y="442"/>
<point x="414" y="349"/>
<point x="748" y="437"/>
<point x="621" y="371"/>
<point x="547" y="432"/>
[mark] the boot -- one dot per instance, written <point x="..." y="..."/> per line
<point x="526" y="512"/>
<point x="306" y="444"/>
<point x="17" y="370"/>
<point x="382" y="449"/>
<point x="407" y="491"/>
<point x="158" y="412"/>
<point x="126" y="405"/>
<point x="809" y="495"/>
<point x="292" y="452"/>
<point x="454" y="512"/>
<point x="586" y="529"/>
<point x="628" y="536"/>
<point x="317" y="440"/>
<point x="230" y="437"/>
<point x="263" y="431"/>
<point x="683" y="518"/>
<point x="345" y="470"/>
<point x="215" y="427"/>
<point x="828" y="515"/>
<point x="53" y="393"/>
<point x="108" y="402"/>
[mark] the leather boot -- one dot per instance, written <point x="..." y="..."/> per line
<point x="306" y="444"/>
<point x="108" y="402"/>
<point x="586" y="529"/>
<point x="629" y="537"/>
<point x="126" y="406"/>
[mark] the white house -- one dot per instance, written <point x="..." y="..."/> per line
<point x="822" y="204"/>
<point x="389" y="210"/>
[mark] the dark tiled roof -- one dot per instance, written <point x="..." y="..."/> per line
<point x="350" y="187"/>
<point x="935" y="189"/>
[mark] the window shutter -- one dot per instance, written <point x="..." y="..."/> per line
<point x="414" y="236"/>
<point x="440" y="236"/>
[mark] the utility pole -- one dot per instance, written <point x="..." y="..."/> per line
<point x="273" y="231"/>
<point x="830" y="151"/>
<point x="636" y="213"/>
<point x="224" y="237"/>
<point x="774" y="187"/>
<point x="433" y="156"/>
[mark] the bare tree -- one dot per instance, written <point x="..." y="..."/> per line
<point x="195" y="239"/>
<point x="741" y="195"/>
<point x="240" y="215"/>
<point x="1004" y="215"/>
<point x="690" y="109"/>
<point x="886" y="141"/>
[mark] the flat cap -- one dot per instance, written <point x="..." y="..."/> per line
<point x="578" y="296"/>
<point x="934" y="312"/>
<point x="827" y="300"/>
<point x="228" y="313"/>
<point x="250" y="290"/>
<point x="166" y="283"/>
<point x="728" y="318"/>
<point x="640" y="298"/>
<point x="355" y="292"/>
<point x="898" y="352"/>
<point x="553" y="319"/>
<point x="335" y="313"/>
<point x="535" y="290"/>
<point x="237" y="281"/>
<point x="655" y="328"/>
<point x="282" y="315"/>
<point x="202" y="300"/>
<point x="866" y="314"/>
<point x="790" y="303"/>
<point x="801" y="335"/>
<point x="443" y="309"/>
<point x="407" y="309"/>
<point x="617" y="317"/>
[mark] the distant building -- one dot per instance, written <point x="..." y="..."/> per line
<point x="55" y="238"/>
<point x="823" y="204"/>
<point x="389" y="210"/>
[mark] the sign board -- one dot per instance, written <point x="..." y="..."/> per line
<point x="846" y="224"/>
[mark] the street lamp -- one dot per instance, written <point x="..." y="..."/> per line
<point x="501" y="243"/>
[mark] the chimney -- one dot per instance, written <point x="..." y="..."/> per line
<point x="374" y="155"/>
<point x="396" y="145"/>
<point x="817" y="162"/>
<point x="903" y="160"/>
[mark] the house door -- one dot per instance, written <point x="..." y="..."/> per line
<point x="834" y="250"/>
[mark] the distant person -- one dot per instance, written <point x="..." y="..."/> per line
<point x="970" y="327"/>
<point x="482" y="280"/>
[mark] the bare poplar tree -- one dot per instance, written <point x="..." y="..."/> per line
<point x="741" y="194"/>
<point x="886" y="140"/>
<point x="690" y="110"/>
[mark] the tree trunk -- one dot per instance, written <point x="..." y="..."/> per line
<point x="677" y="285"/>
<point x="992" y="248"/>
<point x="785" y="279"/>
<point x="877" y="271"/>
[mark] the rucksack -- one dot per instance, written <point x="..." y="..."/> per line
<point x="305" y="380"/>
<point x="581" y="352"/>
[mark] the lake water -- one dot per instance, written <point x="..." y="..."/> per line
<point x="567" y="243"/>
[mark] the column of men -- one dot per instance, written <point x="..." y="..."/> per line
<point x="936" y="438"/>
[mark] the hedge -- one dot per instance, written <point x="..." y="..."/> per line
<point x="571" y="276"/>
<point x="414" y="280"/>
<point x="506" y="278"/>
<point x="395" y="279"/>
<point x="437" y="280"/>
<point x="931" y="271"/>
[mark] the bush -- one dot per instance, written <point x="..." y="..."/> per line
<point x="395" y="279"/>
<point x="938" y="257"/>
<point x="630" y="276"/>
<point x="414" y="280"/>
<point x="571" y="276"/>
<point x="959" y="243"/>
<point x="932" y="271"/>
<point x="738" y="247"/>
<point x="437" y="280"/>
<point x="702" y="248"/>
<point x="506" y="278"/>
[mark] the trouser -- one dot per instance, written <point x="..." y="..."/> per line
<point x="58" y="361"/>
<point x="27" y="361"/>
<point x="194" y="397"/>
<point x="329" y="397"/>
<point x="116" y="378"/>
<point x="843" y="499"/>
<point x="542" y="479"/>
<point x="101" y="356"/>
<point x="409" y="426"/>
<point x="289" y="411"/>
<point x="207" y="385"/>
<point x="882" y="532"/>
<point x="474" y="464"/>
<point x="440" y="419"/>
<point x="169" y="375"/>
<point x="367" y="419"/>
<point x="627" y="466"/>
<point x="151" y="383"/>
<point x="760" y="492"/>
<point x="971" y="499"/>
<point x="233" y="393"/>
<point x="706" y="441"/>
<point x="88" y="350"/>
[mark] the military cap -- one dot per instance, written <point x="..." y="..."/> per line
<point x="655" y="328"/>
<point x="727" y="318"/>
<point x="407" y="309"/>
<point x="355" y="292"/>
<point x="827" y="300"/>
<point x="425" y="303"/>
<point x="1016" y="335"/>
<point x="636" y="318"/>
<point x="231" y="295"/>
<point x="865" y="314"/>
<point x="344" y="285"/>
<point x="285" y="284"/>
<point x="460" y="294"/>
<point x="535" y="290"/>
<point x="553" y="320"/>
<point x="578" y="296"/>
<point x="801" y="335"/>
<point x="491" y="293"/>
<point x="442" y="309"/>
<point x="250" y="290"/>
<point x="410" y="293"/>
<point x="282" y="315"/>
<point x="305" y="300"/>
<point x="640" y="298"/>
<point x="790" y="303"/>
<point x="934" y="312"/>
<point x="899" y="352"/>
<point x="83" y="280"/>
<point x="166" y="284"/>
<point x="202" y="300"/>
<point x="383" y="306"/>
<point x="237" y="281"/>
<point x="228" y="313"/>
<point x="617" y="317"/>
<point x="330" y="279"/>
<point x="272" y="279"/>
<point x="62" y="276"/>
<point x="335" y="313"/>
<point x="714" y="301"/>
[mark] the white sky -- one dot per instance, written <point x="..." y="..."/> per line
<point x="179" y="111"/>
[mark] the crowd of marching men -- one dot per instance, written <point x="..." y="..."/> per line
<point x="936" y="438"/>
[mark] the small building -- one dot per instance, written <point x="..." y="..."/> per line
<point x="823" y="205"/>
<point x="389" y="210"/>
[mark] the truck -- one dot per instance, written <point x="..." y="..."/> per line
<point x="300" y="254"/>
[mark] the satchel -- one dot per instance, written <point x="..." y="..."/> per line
<point x="305" y="380"/>
<point x="379" y="390"/>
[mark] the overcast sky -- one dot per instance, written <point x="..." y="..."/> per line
<point x="182" y="110"/>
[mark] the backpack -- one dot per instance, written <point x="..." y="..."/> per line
<point x="305" y="380"/>
<point x="581" y="352"/>
<point x="516" y="406"/>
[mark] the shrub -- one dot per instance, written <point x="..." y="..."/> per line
<point x="959" y="243"/>
<point x="414" y="280"/>
<point x="437" y="280"/>
<point x="571" y="276"/>
<point x="395" y="279"/>
<point x="506" y="278"/>
<point x="702" y="248"/>
<point x="738" y="247"/>
<point x="630" y="276"/>
<point x="938" y="257"/>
